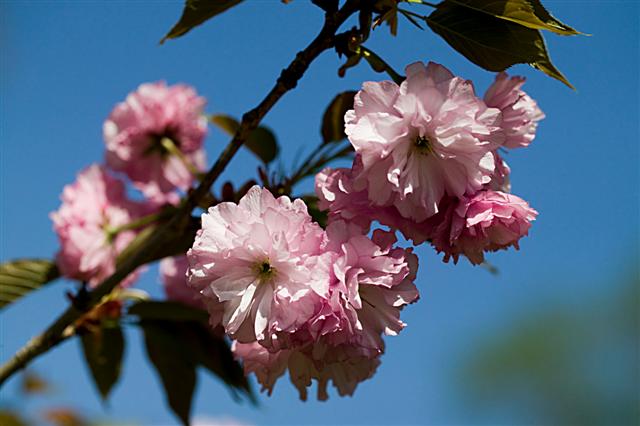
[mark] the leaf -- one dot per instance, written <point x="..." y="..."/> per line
<point x="333" y="119"/>
<point x="213" y="353"/>
<point x="491" y="43"/>
<point x="176" y="348"/>
<point x="103" y="351"/>
<point x="32" y="384"/>
<point x="19" y="277"/>
<point x="196" y="12"/>
<point x="173" y="363"/>
<point x="262" y="142"/>
<point x="167" y="310"/>
<point x="10" y="418"/>
<point x="64" y="417"/>
<point x="530" y="13"/>
<point x="319" y="216"/>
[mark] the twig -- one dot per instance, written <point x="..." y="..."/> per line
<point x="55" y="333"/>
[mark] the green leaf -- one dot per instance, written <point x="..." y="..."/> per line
<point x="333" y="119"/>
<point x="530" y="13"/>
<point x="491" y="43"/>
<point x="103" y="351"/>
<point x="174" y="364"/>
<point x="19" y="277"/>
<point x="167" y="310"/>
<point x="213" y="353"/>
<point x="262" y="142"/>
<point x="176" y="348"/>
<point x="196" y="12"/>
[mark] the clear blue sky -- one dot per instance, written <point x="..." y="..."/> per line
<point x="65" y="64"/>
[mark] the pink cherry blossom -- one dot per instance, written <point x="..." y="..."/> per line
<point x="520" y="113"/>
<point x="501" y="179"/>
<point x="487" y="221"/>
<point x="343" y="370"/>
<point x="92" y="206"/>
<point x="427" y="138"/>
<point x="262" y="258"/>
<point x="372" y="282"/>
<point x="173" y="274"/>
<point x="134" y="131"/>
<point x="375" y="281"/>
<point x="336" y="193"/>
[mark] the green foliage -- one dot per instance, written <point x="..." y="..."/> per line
<point x="333" y="119"/>
<point x="530" y="13"/>
<point x="572" y="363"/>
<point x="196" y="12"/>
<point x="19" y="277"/>
<point x="177" y="348"/>
<point x="262" y="142"/>
<point x="493" y="43"/>
<point x="103" y="351"/>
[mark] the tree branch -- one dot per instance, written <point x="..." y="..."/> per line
<point x="152" y="242"/>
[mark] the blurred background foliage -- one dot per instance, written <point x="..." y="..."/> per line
<point x="566" y="365"/>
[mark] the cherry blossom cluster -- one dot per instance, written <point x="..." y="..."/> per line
<point x="295" y="297"/>
<point x="139" y="134"/>
<point x="428" y="163"/>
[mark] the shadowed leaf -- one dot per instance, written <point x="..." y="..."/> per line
<point x="262" y="142"/>
<point x="333" y="118"/>
<point x="173" y="363"/>
<point x="530" y="13"/>
<point x="176" y="348"/>
<point x="19" y="277"/>
<point x="196" y="12"/>
<point x="213" y="353"/>
<point x="491" y="43"/>
<point x="103" y="351"/>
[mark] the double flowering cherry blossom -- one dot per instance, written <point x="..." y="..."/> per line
<point x="92" y="210"/>
<point x="427" y="162"/>
<point x="137" y="133"/>
<point x="427" y="138"/>
<point x="263" y="259"/>
<point x="294" y="295"/>
<point x="520" y="113"/>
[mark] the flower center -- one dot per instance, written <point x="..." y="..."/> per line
<point x="156" y="145"/>
<point x="264" y="270"/>
<point x="423" y="145"/>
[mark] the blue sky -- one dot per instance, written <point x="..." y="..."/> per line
<point x="65" y="64"/>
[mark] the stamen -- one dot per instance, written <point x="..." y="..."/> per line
<point x="423" y="145"/>
<point x="265" y="270"/>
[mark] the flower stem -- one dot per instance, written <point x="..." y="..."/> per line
<point x="138" y="223"/>
<point x="173" y="149"/>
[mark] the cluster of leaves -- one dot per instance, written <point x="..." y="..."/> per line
<point x="493" y="34"/>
